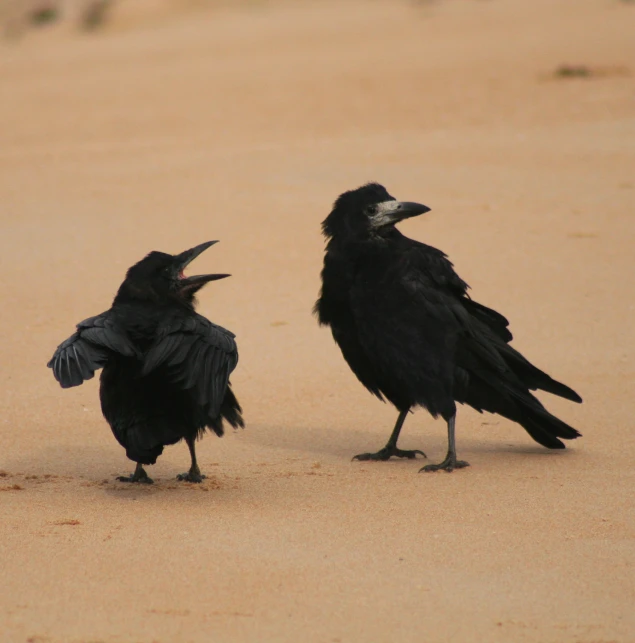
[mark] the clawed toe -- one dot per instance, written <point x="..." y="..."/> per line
<point x="137" y="479"/>
<point x="387" y="452"/>
<point x="191" y="477"/>
<point x="446" y="465"/>
<point x="139" y="476"/>
<point x="370" y="456"/>
<point x="411" y="455"/>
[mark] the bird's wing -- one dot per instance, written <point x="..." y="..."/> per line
<point x="483" y="336"/>
<point x="491" y="318"/>
<point x="408" y="318"/>
<point x="413" y="321"/>
<point x="199" y="356"/>
<point x="478" y="331"/>
<point x="431" y="267"/>
<point x="88" y="349"/>
<point x="430" y="274"/>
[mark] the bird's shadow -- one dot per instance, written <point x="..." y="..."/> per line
<point x="340" y="443"/>
<point x="98" y="467"/>
<point x="93" y="466"/>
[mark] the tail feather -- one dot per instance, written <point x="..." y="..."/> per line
<point x="231" y="411"/>
<point x="497" y="396"/>
<point x="492" y="333"/>
<point x="143" y="443"/>
<point x="534" y="378"/>
<point x="492" y="376"/>
<point x="543" y="426"/>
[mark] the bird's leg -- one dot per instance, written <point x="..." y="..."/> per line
<point x="391" y="446"/>
<point x="194" y="474"/>
<point x="139" y="475"/>
<point x="450" y="463"/>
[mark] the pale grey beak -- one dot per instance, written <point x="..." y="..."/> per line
<point x="391" y="212"/>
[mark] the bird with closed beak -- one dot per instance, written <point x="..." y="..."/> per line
<point x="412" y="335"/>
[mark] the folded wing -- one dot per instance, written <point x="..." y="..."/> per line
<point x="198" y="356"/>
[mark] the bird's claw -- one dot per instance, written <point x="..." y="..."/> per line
<point x="449" y="464"/>
<point x="135" y="478"/>
<point x="387" y="452"/>
<point x="191" y="477"/>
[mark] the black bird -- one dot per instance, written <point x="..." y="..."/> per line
<point x="166" y="368"/>
<point x="411" y="334"/>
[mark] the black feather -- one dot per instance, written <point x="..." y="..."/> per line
<point x="409" y="331"/>
<point x="165" y="368"/>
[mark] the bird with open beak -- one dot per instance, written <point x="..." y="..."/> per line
<point x="166" y="368"/>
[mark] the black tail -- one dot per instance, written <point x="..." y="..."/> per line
<point x="499" y="380"/>
<point x="507" y="399"/>
<point x="543" y="427"/>
<point x="231" y="411"/>
<point x="494" y="328"/>
<point x="535" y="379"/>
<point x="143" y="442"/>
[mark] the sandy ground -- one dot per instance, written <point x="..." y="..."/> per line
<point x="244" y="125"/>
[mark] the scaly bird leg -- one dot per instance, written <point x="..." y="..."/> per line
<point x="450" y="463"/>
<point x="139" y="475"/>
<point x="194" y="474"/>
<point x="391" y="446"/>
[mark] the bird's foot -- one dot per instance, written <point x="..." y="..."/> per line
<point x="387" y="452"/>
<point x="449" y="464"/>
<point x="139" y="476"/>
<point x="191" y="476"/>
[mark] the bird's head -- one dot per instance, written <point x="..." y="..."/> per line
<point x="367" y="211"/>
<point x="159" y="277"/>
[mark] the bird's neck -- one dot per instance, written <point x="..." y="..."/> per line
<point x="129" y="295"/>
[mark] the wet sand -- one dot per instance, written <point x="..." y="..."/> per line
<point x="244" y="125"/>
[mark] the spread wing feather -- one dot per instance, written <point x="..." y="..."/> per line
<point x="87" y="350"/>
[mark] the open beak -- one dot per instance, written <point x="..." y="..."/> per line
<point x="185" y="259"/>
<point x="391" y="212"/>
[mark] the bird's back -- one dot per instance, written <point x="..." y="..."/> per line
<point x="410" y="331"/>
<point x="392" y="341"/>
<point x="176" y="386"/>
